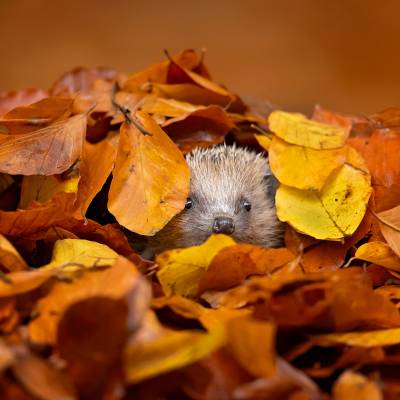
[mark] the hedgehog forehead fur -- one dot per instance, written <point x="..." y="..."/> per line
<point x="223" y="175"/>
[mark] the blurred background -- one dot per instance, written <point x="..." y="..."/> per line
<point x="343" y="54"/>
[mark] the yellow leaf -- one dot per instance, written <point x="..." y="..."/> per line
<point x="331" y="214"/>
<point x="378" y="253"/>
<point x="264" y="141"/>
<point x="165" y="350"/>
<point x="384" y="337"/>
<point x="297" y="129"/>
<point x="74" y="254"/>
<point x="302" y="167"/>
<point x="150" y="179"/>
<point x="352" y="385"/>
<point x="181" y="269"/>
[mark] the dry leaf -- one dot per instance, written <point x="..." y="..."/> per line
<point x="47" y="151"/>
<point x="181" y="269"/>
<point x="120" y="281"/>
<point x="378" y="253"/>
<point x="353" y="385"/>
<point x="334" y="213"/>
<point x="233" y="264"/>
<point x="150" y="179"/>
<point x="297" y="129"/>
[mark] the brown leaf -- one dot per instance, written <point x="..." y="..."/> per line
<point x="93" y="359"/>
<point x="41" y="380"/>
<point x="81" y="80"/>
<point x="389" y="222"/>
<point x="26" y="119"/>
<point x="353" y="385"/>
<point x="37" y="217"/>
<point x="232" y="265"/>
<point x="188" y="59"/>
<point x="209" y="124"/>
<point x="150" y="179"/>
<point x="47" y="151"/>
<point x="19" y="98"/>
<point x="120" y="281"/>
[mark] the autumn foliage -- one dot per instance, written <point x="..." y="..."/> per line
<point x="84" y="316"/>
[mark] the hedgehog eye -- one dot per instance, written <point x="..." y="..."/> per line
<point x="247" y="205"/>
<point x="188" y="203"/>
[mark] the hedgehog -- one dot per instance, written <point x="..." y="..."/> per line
<point x="232" y="191"/>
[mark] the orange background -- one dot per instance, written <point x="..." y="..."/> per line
<point x="343" y="55"/>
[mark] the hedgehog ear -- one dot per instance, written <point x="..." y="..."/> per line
<point x="271" y="185"/>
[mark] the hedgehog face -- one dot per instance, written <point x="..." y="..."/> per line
<point x="230" y="193"/>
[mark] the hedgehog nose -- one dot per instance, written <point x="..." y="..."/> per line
<point x="223" y="225"/>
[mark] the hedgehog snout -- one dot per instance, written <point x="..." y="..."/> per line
<point x="223" y="225"/>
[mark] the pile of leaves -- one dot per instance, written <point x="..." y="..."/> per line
<point x="83" y="316"/>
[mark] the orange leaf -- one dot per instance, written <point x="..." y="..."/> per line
<point x="26" y="119"/>
<point x="120" y="281"/>
<point x="47" y="151"/>
<point x="81" y="80"/>
<point x="18" y="98"/>
<point x="150" y="179"/>
<point x="232" y="265"/>
<point x="96" y="165"/>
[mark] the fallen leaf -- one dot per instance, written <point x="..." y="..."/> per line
<point x="353" y="385"/>
<point x="181" y="270"/>
<point x="158" y="72"/>
<point x="41" y="188"/>
<point x="29" y="118"/>
<point x="10" y="259"/>
<point x="41" y="380"/>
<point x="252" y="343"/>
<point x="209" y="124"/>
<point x="150" y="179"/>
<point x="389" y="223"/>
<point x="74" y="254"/>
<point x="95" y="166"/>
<point x="295" y="128"/>
<point x="24" y="281"/>
<point x="233" y="264"/>
<point x="302" y="167"/>
<point x="47" y="151"/>
<point x="166" y="350"/>
<point x="378" y="253"/>
<point x="81" y="80"/>
<point x="93" y="359"/>
<point x="19" y="98"/>
<point x="379" y="152"/>
<point x="120" y="281"/>
<point x="383" y="337"/>
<point x="38" y="217"/>
<point x="334" y="213"/>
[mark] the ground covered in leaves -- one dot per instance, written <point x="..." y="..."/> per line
<point x="83" y="316"/>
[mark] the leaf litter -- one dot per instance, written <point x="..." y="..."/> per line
<point x="84" y="316"/>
